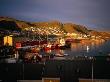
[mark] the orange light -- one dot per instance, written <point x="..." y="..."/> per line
<point x="8" y="41"/>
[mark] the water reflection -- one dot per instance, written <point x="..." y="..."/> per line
<point x="87" y="45"/>
<point x="91" y="48"/>
<point x="87" y="48"/>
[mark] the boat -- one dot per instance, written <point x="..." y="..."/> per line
<point x="63" y="44"/>
<point x="47" y="48"/>
<point x="87" y="48"/>
<point x="73" y="40"/>
<point x="59" y="55"/>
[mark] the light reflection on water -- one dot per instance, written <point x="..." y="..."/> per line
<point x="89" y="48"/>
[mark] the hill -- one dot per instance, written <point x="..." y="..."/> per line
<point x="50" y="27"/>
<point x="13" y="24"/>
<point x="7" y="23"/>
<point x="69" y="27"/>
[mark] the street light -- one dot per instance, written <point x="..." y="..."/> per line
<point x="92" y="69"/>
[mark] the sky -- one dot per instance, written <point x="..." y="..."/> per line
<point x="95" y="14"/>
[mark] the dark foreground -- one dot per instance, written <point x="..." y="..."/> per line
<point x="66" y="70"/>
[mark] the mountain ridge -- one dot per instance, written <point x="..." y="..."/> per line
<point x="8" y="23"/>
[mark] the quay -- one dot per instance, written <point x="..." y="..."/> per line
<point x="67" y="70"/>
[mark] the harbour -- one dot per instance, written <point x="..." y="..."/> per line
<point x="76" y="65"/>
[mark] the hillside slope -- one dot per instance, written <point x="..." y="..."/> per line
<point x="52" y="27"/>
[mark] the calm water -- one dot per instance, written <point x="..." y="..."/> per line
<point x="98" y="48"/>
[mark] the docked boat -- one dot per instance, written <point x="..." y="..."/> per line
<point x="64" y="45"/>
<point x="59" y="53"/>
<point x="73" y="40"/>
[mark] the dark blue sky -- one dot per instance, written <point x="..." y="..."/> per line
<point x="92" y="13"/>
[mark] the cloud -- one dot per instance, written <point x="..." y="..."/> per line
<point x="92" y="13"/>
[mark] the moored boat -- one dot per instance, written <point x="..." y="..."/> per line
<point x="73" y="40"/>
<point x="64" y="44"/>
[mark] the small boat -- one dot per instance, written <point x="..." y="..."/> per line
<point x="87" y="48"/>
<point x="59" y="55"/>
<point x="62" y="42"/>
<point x="47" y="48"/>
<point x="64" y="45"/>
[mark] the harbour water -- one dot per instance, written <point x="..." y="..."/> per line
<point x="91" y="48"/>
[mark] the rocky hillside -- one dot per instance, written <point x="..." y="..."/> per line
<point x="69" y="27"/>
<point x="12" y="24"/>
<point x="52" y="27"/>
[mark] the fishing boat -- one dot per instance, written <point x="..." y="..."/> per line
<point x="64" y="44"/>
<point x="73" y="40"/>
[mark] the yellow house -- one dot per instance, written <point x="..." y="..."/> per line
<point x="8" y="40"/>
